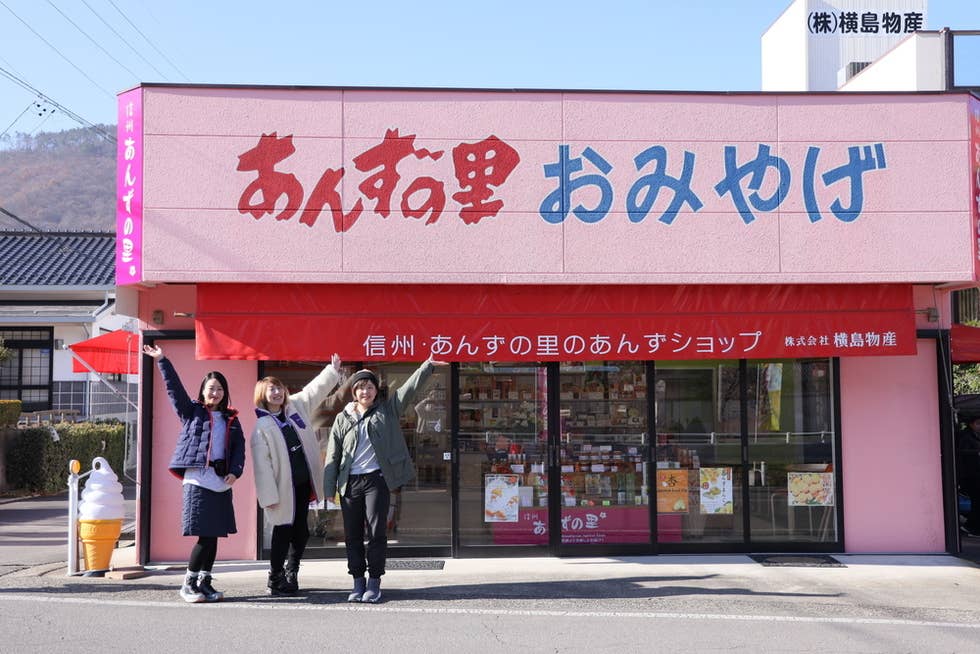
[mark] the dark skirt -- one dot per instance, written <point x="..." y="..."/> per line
<point x="207" y="513"/>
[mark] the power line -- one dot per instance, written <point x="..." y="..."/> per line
<point x="94" y="42"/>
<point x="26" y="109"/>
<point x="147" y="39"/>
<point x="65" y="110"/>
<point x="123" y="39"/>
<point x="20" y="220"/>
<point x="46" y="42"/>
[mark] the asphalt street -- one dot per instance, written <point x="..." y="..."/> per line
<point x="872" y="603"/>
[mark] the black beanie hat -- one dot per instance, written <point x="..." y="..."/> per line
<point x="361" y="375"/>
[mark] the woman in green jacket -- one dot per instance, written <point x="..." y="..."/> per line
<point x="367" y="459"/>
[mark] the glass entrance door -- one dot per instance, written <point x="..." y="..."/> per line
<point x="503" y="454"/>
<point x="577" y="482"/>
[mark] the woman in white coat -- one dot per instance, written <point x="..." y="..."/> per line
<point x="288" y="472"/>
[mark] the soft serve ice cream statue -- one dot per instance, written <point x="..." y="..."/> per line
<point x="100" y="515"/>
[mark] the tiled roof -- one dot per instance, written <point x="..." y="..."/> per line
<point x="57" y="258"/>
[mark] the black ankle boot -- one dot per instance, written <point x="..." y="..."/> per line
<point x="291" y="582"/>
<point x="210" y="594"/>
<point x="277" y="584"/>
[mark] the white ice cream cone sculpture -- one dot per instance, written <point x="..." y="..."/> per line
<point x="100" y="515"/>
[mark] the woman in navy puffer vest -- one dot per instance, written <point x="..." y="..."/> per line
<point x="209" y="458"/>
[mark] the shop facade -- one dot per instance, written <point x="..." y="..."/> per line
<point x="676" y="322"/>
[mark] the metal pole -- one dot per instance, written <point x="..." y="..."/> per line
<point x="73" y="467"/>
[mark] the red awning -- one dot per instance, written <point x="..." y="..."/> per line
<point x="965" y="343"/>
<point x="483" y="322"/>
<point x="116" y="352"/>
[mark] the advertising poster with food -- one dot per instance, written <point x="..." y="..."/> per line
<point x="716" y="490"/>
<point x="810" y="488"/>
<point x="502" y="498"/>
<point x="672" y="491"/>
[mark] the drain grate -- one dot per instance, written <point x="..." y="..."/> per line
<point x="413" y="564"/>
<point x="797" y="560"/>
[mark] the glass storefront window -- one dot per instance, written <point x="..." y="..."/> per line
<point x="503" y="455"/>
<point x="698" y="464"/>
<point x="604" y="443"/>
<point x="743" y="454"/>
<point x="791" y="451"/>
<point x="789" y="441"/>
<point x="419" y="514"/>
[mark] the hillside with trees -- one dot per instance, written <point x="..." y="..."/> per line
<point x="59" y="180"/>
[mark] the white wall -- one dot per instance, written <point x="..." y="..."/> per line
<point x="62" y="367"/>
<point x="784" y="53"/>
<point x="916" y="64"/>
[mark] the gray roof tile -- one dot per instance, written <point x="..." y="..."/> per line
<point x="57" y="258"/>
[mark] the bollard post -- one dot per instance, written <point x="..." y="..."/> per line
<point x="73" y="467"/>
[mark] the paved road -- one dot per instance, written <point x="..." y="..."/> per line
<point x="703" y="603"/>
<point x="651" y="604"/>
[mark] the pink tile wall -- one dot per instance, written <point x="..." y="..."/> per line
<point x="166" y="542"/>
<point x="891" y="465"/>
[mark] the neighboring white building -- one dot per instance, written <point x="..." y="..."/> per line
<point x="817" y="45"/>
<point x="57" y="289"/>
<point x="916" y="64"/>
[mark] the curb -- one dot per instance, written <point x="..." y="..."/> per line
<point x="40" y="570"/>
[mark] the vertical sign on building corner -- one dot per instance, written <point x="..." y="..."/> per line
<point x="129" y="188"/>
<point x="974" y="105"/>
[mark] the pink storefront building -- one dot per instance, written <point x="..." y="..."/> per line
<point x="677" y="323"/>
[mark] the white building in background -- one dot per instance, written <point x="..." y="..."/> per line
<point x="58" y="289"/>
<point x="818" y="45"/>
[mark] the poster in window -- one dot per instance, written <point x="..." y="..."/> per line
<point x="672" y="491"/>
<point x="716" y="490"/>
<point x="810" y="488"/>
<point x="502" y="498"/>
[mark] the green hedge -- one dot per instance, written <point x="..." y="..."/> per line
<point x="39" y="464"/>
<point x="9" y="412"/>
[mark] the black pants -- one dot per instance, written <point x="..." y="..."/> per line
<point x="366" y="501"/>
<point x="290" y="540"/>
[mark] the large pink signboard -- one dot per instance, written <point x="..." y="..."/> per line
<point x="327" y="185"/>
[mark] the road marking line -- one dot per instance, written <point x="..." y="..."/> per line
<point x="524" y="613"/>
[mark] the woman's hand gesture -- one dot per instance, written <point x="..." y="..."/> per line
<point x="335" y="361"/>
<point x="154" y="352"/>
<point x="433" y="361"/>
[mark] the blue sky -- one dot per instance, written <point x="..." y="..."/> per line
<point x="81" y="53"/>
